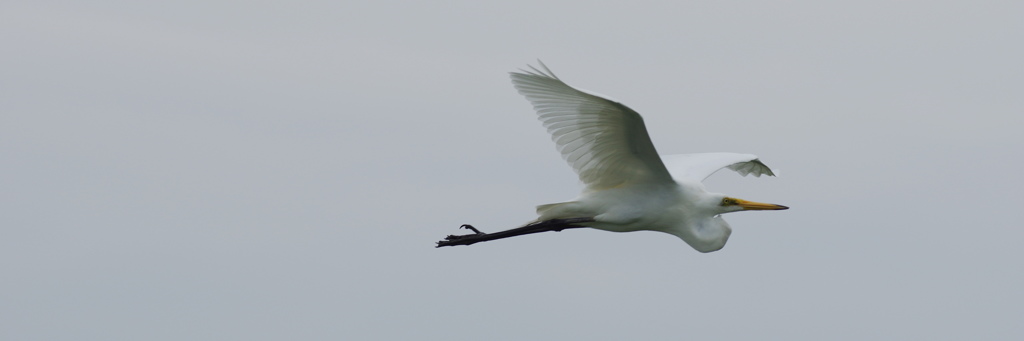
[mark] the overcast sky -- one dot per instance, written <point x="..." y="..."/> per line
<point x="234" y="170"/>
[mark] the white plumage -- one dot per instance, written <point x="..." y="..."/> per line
<point x="629" y="187"/>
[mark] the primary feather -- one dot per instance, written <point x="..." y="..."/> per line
<point x="605" y="142"/>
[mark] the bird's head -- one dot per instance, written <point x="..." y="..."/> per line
<point x="706" y="231"/>
<point x="729" y="204"/>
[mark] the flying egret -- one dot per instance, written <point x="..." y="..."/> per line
<point x="628" y="187"/>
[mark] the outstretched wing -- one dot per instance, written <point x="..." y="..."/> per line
<point x="697" y="167"/>
<point x="605" y="142"/>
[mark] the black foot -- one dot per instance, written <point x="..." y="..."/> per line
<point x="453" y="240"/>
<point x="465" y="239"/>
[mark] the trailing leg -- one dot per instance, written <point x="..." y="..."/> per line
<point x="541" y="226"/>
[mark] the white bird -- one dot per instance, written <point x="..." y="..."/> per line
<point x="628" y="187"/>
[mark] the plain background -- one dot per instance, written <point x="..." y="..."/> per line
<point x="238" y="170"/>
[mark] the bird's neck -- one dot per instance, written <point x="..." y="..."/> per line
<point x="704" y="235"/>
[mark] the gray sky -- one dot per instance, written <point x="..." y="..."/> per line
<point x="229" y="170"/>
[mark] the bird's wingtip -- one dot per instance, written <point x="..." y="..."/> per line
<point x="533" y="70"/>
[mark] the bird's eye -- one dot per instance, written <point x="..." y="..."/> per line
<point x="728" y="202"/>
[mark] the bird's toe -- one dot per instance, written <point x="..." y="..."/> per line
<point x="470" y="227"/>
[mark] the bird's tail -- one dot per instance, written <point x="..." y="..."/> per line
<point x="560" y="210"/>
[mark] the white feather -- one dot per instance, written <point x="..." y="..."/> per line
<point x="605" y="142"/>
<point x="697" y="167"/>
<point x="628" y="186"/>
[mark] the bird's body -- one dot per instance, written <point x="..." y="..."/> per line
<point x="648" y="207"/>
<point x="629" y="187"/>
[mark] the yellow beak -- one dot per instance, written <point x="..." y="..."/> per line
<point x="750" y="205"/>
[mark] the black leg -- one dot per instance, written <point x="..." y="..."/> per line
<point x="541" y="226"/>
